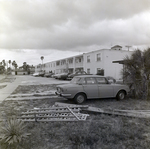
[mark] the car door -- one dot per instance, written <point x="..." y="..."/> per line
<point x="90" y="87"/>
<point x="105" y="89"/>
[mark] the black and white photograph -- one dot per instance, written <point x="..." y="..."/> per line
<point x="74" y="74"/>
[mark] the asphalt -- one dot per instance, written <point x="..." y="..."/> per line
<point x="23" y="80"/>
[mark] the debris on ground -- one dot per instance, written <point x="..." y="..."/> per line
<point x="55" y="113"/>
<point x="72" y="112"/>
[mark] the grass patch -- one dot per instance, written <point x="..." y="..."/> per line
<point x="100" y="131"/>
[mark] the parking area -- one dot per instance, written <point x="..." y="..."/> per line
<point x="8" y="86"/>
<point x="30" y="80"/>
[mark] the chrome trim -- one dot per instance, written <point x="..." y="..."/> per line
<point x="65" y="94"/>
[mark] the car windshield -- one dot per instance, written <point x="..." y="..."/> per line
<point x="76" y="80"/>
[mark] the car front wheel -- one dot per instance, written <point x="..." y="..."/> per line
<point x="121" y="95"/>
<point x="80" y="98"/>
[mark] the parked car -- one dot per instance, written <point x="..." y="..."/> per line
<point x="55" y="76"/>
<point x="36" y="74"/>
<point x="41" y="74"/>
<point x="77" y="73"/>
<point x="111" y="79"/>
<point x="62" y="76"/>
<point x="48" y="75"/>
<point x="85" y="87"/>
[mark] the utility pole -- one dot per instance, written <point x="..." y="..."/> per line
<point x="128" y="47"/>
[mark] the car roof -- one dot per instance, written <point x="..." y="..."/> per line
<point x="86" y="76"/>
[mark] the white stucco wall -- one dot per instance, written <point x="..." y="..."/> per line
<point x="107" y="57"/>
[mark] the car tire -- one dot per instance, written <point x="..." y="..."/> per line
<point x="121" y="95"/>
<point x="80" y="98"/>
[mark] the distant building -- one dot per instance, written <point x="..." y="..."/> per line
<point x="95" y="62"/>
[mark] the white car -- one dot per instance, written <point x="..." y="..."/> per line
<point x="36" y="74"/>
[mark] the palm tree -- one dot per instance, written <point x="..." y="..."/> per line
<point x="4" y="63"/>
<point x="16" y="66"/>
<point x="137" y="71"/>
<point x="42" y="57"/>
<point x="25" y="66"/>
<point x="13" y="63"/>
<point x="9" y="63"/>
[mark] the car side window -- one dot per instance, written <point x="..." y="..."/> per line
<point x="101" y="80"/>
<point x="83" y="81"/>
<point x="90" y="80"/>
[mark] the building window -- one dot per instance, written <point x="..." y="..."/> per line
<point x="70" y="61"/>
<point x="63" y="62"/>
<point x="101" y="80"/>
<point x="90" y="80"/>
<point x="57" y="63"/>
<point x="79" y="60"/>
<point x="100" y="71"/>
<point x="88" y="59"/>
<point x="99" y="57"/>
<point x="88" y="71"/>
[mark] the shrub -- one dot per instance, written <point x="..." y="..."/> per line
<point x="13" y="134"/>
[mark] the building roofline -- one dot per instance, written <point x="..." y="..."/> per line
<point x="116" y="46"/>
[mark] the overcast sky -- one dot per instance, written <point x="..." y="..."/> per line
<point x="57" y="29"/>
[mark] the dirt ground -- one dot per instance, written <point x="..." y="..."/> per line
<point x="127" y="104"/>
<point x="100" y="131"/>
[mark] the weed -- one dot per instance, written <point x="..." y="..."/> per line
<point x="13" y="134"/>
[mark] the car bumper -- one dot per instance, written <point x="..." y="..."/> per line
<point x="63" y="95"/>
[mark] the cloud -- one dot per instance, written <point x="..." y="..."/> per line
<point x="71" y="25"/>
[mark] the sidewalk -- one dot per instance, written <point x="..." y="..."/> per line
<point x="2" y="77"/>
<point x="11" y="86"/>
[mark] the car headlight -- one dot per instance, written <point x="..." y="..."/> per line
<point x="59" y="89"/>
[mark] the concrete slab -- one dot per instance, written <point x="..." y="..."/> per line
<point x="6" y="91"/>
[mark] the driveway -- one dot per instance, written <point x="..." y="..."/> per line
<point x="30" y="80"/>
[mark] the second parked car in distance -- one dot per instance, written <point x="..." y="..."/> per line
<point x="85" y="87"/>
<point x="62" y="76"/>
<point x="77" y="73"/>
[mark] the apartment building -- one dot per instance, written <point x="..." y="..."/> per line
<point x="95" y="62"/>
<point x="70" y="64"/>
